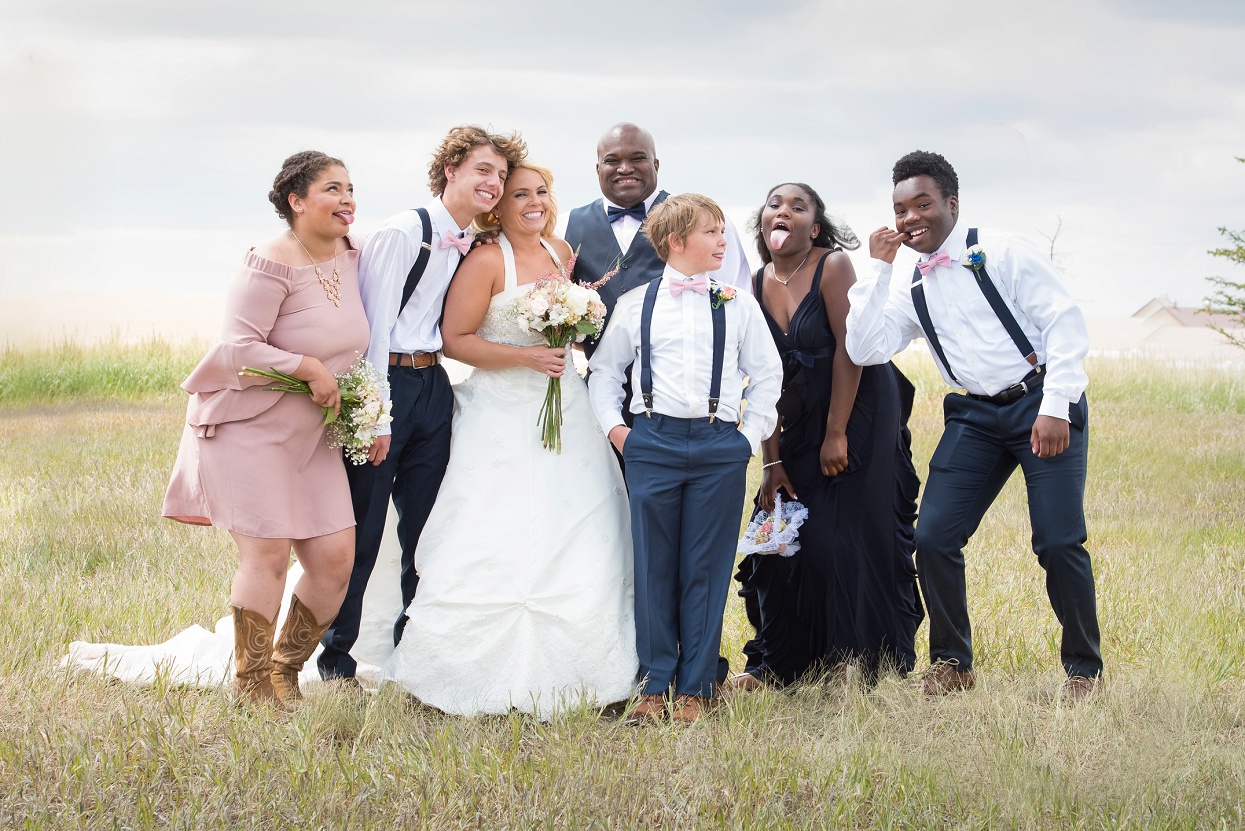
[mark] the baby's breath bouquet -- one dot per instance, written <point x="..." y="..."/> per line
<point x="364" y="409"/>
<point x="564" y="312"/>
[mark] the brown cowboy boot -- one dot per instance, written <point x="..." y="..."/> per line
<point x="252" y="657"/>
<point x="297" y="641"/>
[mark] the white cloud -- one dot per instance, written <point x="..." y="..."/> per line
<point x="1123" y="118"/>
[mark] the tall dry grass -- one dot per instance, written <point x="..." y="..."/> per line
<point x="83" y="555"/>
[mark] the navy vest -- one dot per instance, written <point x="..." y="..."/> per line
<point x="588" y="230"/>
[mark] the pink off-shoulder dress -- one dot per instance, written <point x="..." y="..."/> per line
<point x="254" y="461"/>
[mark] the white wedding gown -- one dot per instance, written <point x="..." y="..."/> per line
<point x="525" y="596"/>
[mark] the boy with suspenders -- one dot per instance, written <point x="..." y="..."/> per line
<point x="688" y="339"/>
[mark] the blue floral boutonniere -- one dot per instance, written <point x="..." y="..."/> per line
<point x="720" y="293"/>
<point x="974" y="260"/>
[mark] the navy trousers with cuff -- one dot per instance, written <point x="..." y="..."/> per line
<point x="686" y="479"/>
<point x="981" y="445"/>
<point x="419" y="451"/>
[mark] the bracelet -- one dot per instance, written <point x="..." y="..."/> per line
<point x="771" y="464"/>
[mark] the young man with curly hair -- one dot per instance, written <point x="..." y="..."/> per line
<point x="404" y="272"/>
<point x="1003" y="328"/>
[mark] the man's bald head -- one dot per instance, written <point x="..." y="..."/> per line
<point x="627" y="164"/>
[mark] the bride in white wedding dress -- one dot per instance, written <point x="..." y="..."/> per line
<point x="525" y="595"/>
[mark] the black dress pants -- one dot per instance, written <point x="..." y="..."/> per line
<point x="423" y="408"/>
<point x="981" y="445"/>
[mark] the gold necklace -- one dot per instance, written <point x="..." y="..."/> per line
<point x="332" y="286"/>
<point x="791" y="276"/>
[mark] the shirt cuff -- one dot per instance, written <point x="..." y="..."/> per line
<point x="1055" y="406"/>
<point x="883" y="271"/>
<point x="611" y="423"/>
<point x="753" y="437"/>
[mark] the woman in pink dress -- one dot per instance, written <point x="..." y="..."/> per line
<point x="255" y="462"/>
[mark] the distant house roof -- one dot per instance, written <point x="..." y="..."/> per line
<point x="1161" y="311"/>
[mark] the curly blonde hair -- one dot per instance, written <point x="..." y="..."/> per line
<point x="678" y="217"/>
<point x="489" y="221"/>
<point x="460" y="141"/>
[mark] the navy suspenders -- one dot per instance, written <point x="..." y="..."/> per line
<point x="995" y="300"/>
<point x="421" y="259"/>
<point x="646" y="370"/>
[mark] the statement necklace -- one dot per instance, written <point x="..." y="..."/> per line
<point x="331" y="285"/>
<point x="793" y="271"/>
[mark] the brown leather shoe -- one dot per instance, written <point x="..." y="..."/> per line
<point x="744" y="681"/>
<point x="1077" y="688"/>
<point x="652" y="707"/>
<point x="689" y="709"/>
<point x="946" y="677"/>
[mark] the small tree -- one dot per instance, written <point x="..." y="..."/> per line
<point x="1229" y="297"/>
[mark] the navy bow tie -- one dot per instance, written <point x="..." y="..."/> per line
<point x="616" y="214"/>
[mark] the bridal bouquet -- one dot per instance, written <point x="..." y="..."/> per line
<point x="774" y="532"/>
<point x="564" y="312"/>
<point x="363" y="409"/>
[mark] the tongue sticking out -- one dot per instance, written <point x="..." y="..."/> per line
<point x="777" y="237"/>
<point x="345" y="217"/>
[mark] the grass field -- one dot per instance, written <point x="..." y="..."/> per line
<point x="87" y="438"/>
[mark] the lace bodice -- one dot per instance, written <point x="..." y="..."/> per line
<point x="499" y="324"/>
<point x="499" y="321"/>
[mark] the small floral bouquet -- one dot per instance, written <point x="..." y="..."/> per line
<point x="774" y="532"/>
<point x="720" y="293"/>
<point x="974" y="260"/>
<point x="363" y="409"/>
<point x="564" y="312"/>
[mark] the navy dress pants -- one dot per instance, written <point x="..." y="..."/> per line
<point x="686" y="480"/>
<point x="423" y="409"/>
<point x="981" y="445"/>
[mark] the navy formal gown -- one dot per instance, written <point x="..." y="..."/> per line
<point x="849" y="593"/>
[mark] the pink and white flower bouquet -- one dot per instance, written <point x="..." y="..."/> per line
<point x="564" y="312"/>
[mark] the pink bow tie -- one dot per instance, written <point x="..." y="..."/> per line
<point x="698" y="284"/>
<point x="938" y="259"/>
<point x="452" y="240"/>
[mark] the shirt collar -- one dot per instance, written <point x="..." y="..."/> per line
<point x="441" y="219"/>
<point x="648" y="203"/>
<point x="673" y="275"/>
<point x="953" y="244"/>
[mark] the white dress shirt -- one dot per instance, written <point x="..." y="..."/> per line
<point x="681" y="343"/>
<point x="625" y="228"/>
<point x="383" y="266"/>
<point x="882" y="319"/>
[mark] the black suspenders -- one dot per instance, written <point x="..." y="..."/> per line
<point x="646" y="371"/>
<point x="995" y="300"/>
<point x="421" y="259"/>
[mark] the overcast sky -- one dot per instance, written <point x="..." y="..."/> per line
<point x="139" y="139"/>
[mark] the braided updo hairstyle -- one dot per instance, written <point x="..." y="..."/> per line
<point x="297" y="175"/>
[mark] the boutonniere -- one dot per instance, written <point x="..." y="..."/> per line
<point x="720" y="293"/>
<point x="974" y="260"/>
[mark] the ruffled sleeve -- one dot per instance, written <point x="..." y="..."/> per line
<point x="251" y="309"/>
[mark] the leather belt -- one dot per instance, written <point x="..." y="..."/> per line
<point x="416" y="360"/>
<point x="1032" y="381"/>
